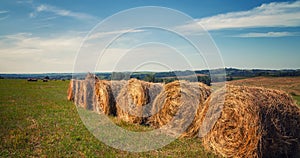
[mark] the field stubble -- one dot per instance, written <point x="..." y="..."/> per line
<point x="290" y="85"/>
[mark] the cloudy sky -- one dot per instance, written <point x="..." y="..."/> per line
<point x="45" y="36"/>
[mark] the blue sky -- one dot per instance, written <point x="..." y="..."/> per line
<point x="44" y="36"/>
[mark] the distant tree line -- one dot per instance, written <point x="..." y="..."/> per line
<point x="166" y="77"/>
<point x="258" y="72"/>
<point x="158" y="77"/>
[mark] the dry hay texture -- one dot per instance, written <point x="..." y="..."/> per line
<point x="175" y="107"/>
<point x="76" y="88"/>
<point x="78" y="98"/>
<point x="81" y="93"/>
<point x="71" y="90"/>
<point x="203" y="108"/>
<point x="105" y="93"/>
<point x="89" y="99"/>
<point x="135" y="100"/>
<point x="255" y="122"/>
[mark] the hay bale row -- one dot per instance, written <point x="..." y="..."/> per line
<point x="255" y="122"/>
<point x="135" y="100"/>
<point x="142" y="102"/>
<point x="251" y="122"/>
<point x="175" y="107"/>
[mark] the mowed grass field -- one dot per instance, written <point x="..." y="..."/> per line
<point x="36" y="120"/>
<point x="290" y="85"/>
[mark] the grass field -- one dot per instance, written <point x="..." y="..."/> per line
<point x="37" y="121"/>
<point x="289" y="84"/>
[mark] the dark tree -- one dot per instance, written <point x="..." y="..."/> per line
<point x="149" y="78"/>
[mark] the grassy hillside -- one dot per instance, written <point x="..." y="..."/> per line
<point x="37" y="120"/>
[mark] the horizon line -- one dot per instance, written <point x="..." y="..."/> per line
<point x="156" y="71"/>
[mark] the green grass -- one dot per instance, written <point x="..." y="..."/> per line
<point x="297" y="98"/>
<point x="37" y="121"/>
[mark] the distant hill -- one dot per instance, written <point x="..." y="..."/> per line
<point x="232" y="72"/>
<point x="202" y="75"/>
<point x="37" y="76"/>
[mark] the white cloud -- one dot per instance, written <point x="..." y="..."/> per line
<point x="61" y="12"/>
<point x="277" y="14"/>
<point x="103" y="34"/>
<point x="267" y="34"/>
<point x="24" y="52"/>
<point x="48" y="18"/>
<point x="3" y="11"/>
<point x="25" y="2"/>
<point x="28" y="53"/>
<point x="3" y="18"/>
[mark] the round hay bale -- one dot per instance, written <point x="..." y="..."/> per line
<point x="255" y="122"/>
<point x="106" y="92"/>
<point x="71" y="90"/>
<point x="102" y="90"/>
<point x="175" y="107"/>
<point x="135" y="99"/>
